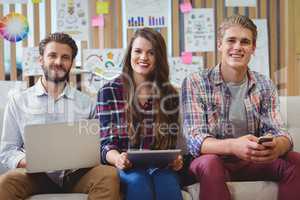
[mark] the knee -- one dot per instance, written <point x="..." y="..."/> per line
<point x="294" y="158"/>
<point x="137" y="179"/>
<point x="8" y="182"/>
<point x="207" y="165"/>
<point x="107" y="173"/>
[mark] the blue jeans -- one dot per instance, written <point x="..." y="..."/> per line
<point x="150" y="184"/>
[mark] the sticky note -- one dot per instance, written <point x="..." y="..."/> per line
<point x="36" y="1"/>
<point x="186" y="57"/>
<point x="102" y="7"/>
<point x="185" y="7"/>
<point x="98" y="21"/>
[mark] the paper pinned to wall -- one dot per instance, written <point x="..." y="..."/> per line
<point x="72" y="18"/>
<point x="8" y="88"/>
<point x="30" y="63"/>
<point x="13" y="1"/>
<point x="199" y="30"/>
<point x="102" y="7"/>
<point x="147" y="13"/>
<point x="240" y="3"/>
<point x="179" y="70"/>
<point x="260" y="60"/>
<point x="103" y="65"/>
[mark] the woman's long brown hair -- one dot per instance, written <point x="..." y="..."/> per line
<point x="167" y="100"/>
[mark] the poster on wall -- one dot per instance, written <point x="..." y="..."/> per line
<point x="72" y="18"/>
<point x="179" y="70"/>
<point x="30" y="63"/>
<point x="13" y="1"/>
<point x="147" y="13"/>
<point x="240" y="3"/>
<point x="102" y="65"/>
<point x="260" y="60"/>
<point x="199" y="30"/>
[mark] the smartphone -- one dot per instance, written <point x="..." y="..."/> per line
<point x="266" y="138"/>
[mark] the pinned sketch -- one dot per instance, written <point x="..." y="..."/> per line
<point x="102" y="65"/>
<point x="240" y="3"/>
<point x="72" y="18"/>
<point x="260" y="60"/>
<point x="30" y="63"/>
<point x="13" y="1"/>
<point x="199" y="30"/>
<point x="147" y="13"/>
<point x="179" y="70"/>
<point x="8" y="88"/>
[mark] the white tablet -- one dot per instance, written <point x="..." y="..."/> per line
<point x="152" y="158"/>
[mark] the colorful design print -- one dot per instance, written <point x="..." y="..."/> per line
<point x="14" y="27"/>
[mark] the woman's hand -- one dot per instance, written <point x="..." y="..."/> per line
<point x="122" y="161"/>
<point x="177" y="164"/>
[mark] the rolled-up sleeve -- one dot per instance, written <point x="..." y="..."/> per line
<point x="195" y="125"/>
<point x="108" y="127"/>
<point x="270" y="118"/>
<point x="11" y="146"/>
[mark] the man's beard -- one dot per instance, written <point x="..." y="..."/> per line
<point x="55" y="79"/>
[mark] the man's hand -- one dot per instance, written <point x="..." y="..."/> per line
<point x="177" y="164"/>
<point x="22" y="163"/>
<point x="247" y="148"/>
<point x="122" y="161"/>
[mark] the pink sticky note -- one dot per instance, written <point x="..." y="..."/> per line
<point x="98" y="21"/>
<point x="186" y="57"/>
<point x="186" y="7"/>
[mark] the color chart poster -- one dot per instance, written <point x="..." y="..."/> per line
<point x="72" y="18"/>
<point x="147" y="13"/>
<point x="179" y="70"/>
<point x="102" y="65"/>
<point x="199" y="31"/>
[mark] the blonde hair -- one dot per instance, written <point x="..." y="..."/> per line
<point x="240" y="20"/>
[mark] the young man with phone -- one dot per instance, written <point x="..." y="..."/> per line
<point x="225" y="111"/>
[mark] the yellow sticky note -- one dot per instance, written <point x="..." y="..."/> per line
<point x="102" y="7"/>
<point x="36" y="1"/>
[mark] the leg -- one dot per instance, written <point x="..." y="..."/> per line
<point x="210" y="172"/>
<point x="101" y="182"/>
<point x="17" y="184"/>
<point x="290" y="183"/>
<point x="137" y="184"/>
<point x="284" y="170"/>
<point x="166" y="185"/>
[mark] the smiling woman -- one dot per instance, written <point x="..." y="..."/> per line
<point x="139" y="110"/>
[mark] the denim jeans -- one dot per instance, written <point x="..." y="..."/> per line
<point x="150" y="184"/>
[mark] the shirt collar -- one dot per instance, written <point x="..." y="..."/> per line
<point x="39" y="90"/>
<point x="217" y="76"/>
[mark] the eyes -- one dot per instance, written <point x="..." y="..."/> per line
<point x="54" y="55"/>
<point x="243" y="41"/>
<point x="137" y="51"/>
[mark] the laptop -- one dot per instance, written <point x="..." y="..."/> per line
<point x="152" y="158"/>
<point x="60" y="146"/>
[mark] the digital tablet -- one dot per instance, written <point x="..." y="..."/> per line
<point x="152" y="158"/>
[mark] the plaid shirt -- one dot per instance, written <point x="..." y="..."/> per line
<point x="113" y="123"/>
<point x="206" y="101"/>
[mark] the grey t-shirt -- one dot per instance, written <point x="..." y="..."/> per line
<point x="237" y="110"/>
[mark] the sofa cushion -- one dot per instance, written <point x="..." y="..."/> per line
<point x="73" y="196"/>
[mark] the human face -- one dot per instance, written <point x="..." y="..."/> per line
<point x="236" y="47"/>
<point x="56" y="62"/>
<point x="142" y="58"/>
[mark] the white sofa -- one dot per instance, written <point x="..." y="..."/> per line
<point x="290" y="109"/>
